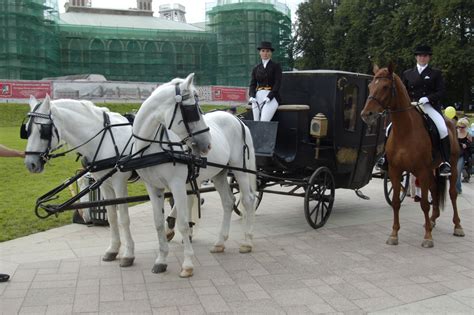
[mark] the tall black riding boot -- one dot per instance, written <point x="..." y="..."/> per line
<point x="445" y="167"/>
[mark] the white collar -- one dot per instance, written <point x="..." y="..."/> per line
<point x="421" y="68"/>
<point x="265" y="62"/>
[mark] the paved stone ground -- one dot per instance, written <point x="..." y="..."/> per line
<point x="344" y="267"/>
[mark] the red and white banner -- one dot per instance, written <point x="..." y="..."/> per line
<point x="23" y="89"/>
<point x="231" y="94"/>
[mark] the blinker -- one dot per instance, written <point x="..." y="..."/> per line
<point x="23" y="131"/>
<point x="190" y="113"/>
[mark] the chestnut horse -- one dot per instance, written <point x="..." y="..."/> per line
<point x="409" y="148"/>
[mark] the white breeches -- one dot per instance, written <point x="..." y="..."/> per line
<point x="435" y="116"/>
<point x="437" y="119"/>
<point x="268" y="110"/>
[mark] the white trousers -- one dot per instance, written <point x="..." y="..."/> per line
<point x="435" y="116"/>
<point x="437" y="119"/>
<point x="267" y="111"/>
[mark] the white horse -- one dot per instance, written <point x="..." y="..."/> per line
<point x="75" y="122"/>
<point x="219" y="135"/>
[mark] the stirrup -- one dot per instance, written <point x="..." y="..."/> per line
<point x="444" y="169"/>
<point x="382" y="164"/>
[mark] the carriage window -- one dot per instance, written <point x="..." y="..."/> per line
<point x="350" y="107"/>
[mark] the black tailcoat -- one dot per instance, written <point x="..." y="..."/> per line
<point x="429" y="83"/>
<point x="269" y="76"/>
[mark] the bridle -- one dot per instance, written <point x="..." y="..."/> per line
<point x="46" y="132"/>
<point x="190" y="113"/>
<point x="393" y="93"/>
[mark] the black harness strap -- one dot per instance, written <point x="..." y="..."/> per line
<point x="245" y="146"/>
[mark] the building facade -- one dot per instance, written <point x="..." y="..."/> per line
<point x="132" y="45"/>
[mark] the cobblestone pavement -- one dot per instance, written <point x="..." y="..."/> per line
<point x="344" y="267"/>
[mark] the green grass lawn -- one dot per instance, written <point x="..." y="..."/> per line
<point x="19" y="189"/>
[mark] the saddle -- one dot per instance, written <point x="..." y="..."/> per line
<point x="432" y="131"/>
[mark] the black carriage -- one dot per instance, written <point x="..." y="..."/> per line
<point x="321" y="143"/>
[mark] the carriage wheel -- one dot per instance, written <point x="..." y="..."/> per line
<point x="319" y="197"/>
<point x="388" y="188"/>
<point x="236" y="191"/>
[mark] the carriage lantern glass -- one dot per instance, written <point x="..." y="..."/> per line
<point x="319" y="126"/>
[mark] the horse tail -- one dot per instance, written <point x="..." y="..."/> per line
<point x="251" y="164"/>
<point x="441" y="189"/>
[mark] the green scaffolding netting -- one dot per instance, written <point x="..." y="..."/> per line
<point x="39" y="45"/>
<point x="29" y="46"/>
<point x="240" y="27"/>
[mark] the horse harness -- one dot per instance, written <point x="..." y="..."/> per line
<point x="46" y="133"/>
<point x="189" y="113"/>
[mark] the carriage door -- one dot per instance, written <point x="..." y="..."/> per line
<point x="358" y="143"/>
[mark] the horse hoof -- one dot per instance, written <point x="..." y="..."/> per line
<point x="427" y="243"/>
<point x="243" y="249"/>
<point x="392" y="241"/>
<point x="159" y="268"/>
<point x="170" y="235"/>
<point x="186" y="273"/>
<point x="109" y="256"/>
<point x="218" y="249"/>
<point x="459" y="232"/>
<point x="127" y="261"/>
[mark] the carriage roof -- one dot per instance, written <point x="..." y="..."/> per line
<point x="327" y="72"/>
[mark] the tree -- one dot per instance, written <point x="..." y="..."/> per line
<point x="352" y="34"/>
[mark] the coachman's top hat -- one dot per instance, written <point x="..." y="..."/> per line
<point x="265" y="45"/>
<point x="423" y="50"/>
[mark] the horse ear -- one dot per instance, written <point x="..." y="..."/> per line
<point x="375" y="69"/>
<point x="391" y="67"/>
<point x="189" y="80"/>
<point x="33" y="101"/>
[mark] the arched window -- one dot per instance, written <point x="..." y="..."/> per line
<point x="75" y="55"/>
<point x="97" y="57"/>
<point x="168" y="65"/>
<point x="134" y="63"/>
<point x="351" y="93"/>
<point x="116" y="62"/>
<point x="152" y="62"/>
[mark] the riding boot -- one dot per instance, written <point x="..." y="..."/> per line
<point x="445" y="167"/>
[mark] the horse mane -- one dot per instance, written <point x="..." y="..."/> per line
<point x="91" y="110"/>
<point x="171" y="83"/>
<point x="398" y="83"/>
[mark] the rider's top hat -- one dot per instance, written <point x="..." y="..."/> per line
<point x="423" y="50"/>
<point x="265" y="45"/>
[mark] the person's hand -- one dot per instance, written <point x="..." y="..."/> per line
<point x="252" y="100"/>
<point x="423" y="100"/>
<point x="267" y="100"/>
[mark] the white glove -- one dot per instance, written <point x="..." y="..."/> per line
<point x="266" y="100"/>
<point x="252" y="100"/>
<point x="423" y="100"/>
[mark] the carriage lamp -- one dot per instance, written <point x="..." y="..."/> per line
<point x="318" y="129"/>
<point x="319" y="126"/>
